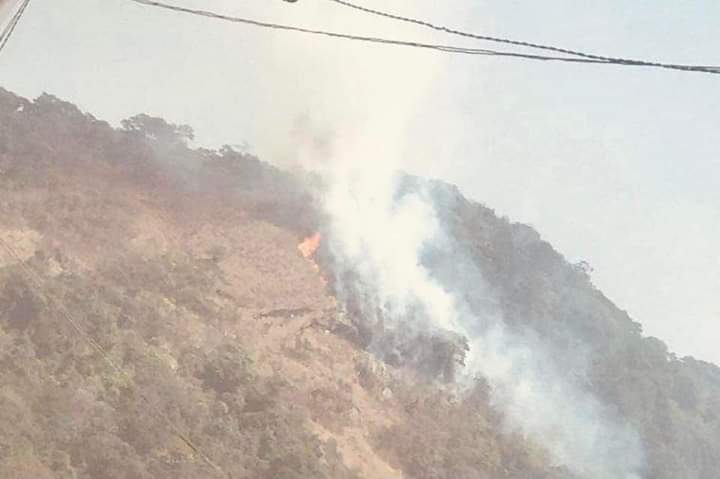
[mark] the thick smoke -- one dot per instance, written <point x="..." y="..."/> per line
<point x="382" y="231"/>
<point x="351" y="112"/>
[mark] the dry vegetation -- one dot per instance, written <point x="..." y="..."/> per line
<point x="182" y="265"/>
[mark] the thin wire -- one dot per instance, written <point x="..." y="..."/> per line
<point x="10" y="27"/>
<point x="430" y="46"/>
<point x="507" y="41"/>
<point x="12" y="24"/>
<point x="65" y="314"/>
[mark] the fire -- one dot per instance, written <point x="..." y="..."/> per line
<point x="310" y="245"/>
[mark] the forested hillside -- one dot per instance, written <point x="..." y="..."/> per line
<point x="158" y="321"/>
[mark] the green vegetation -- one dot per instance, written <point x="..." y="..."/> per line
<point x="72" y="191"/>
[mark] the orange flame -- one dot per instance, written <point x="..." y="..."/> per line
<point x="310" y="245"/>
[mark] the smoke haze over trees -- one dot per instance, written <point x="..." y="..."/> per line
<point x="182" y="264"/>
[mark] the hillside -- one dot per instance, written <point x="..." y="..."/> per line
<point x="158" y="321"/>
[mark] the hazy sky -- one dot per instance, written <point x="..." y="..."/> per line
<point x="619" y="166"/>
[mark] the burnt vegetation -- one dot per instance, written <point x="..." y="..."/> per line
<point x="191" y="347"/>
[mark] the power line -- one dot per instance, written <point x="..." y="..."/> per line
<point x="576" y="57"/>
<point x="370" y="39"/>
<point x="10" y="27"/>
<point x="12" y="24"/>
<point x="35" y="279"/>
<point x="507" y="41"/>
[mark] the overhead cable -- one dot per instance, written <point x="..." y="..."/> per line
<point x="12" y="24"/>
<point x="361" y="38"/>
<point x="507" y="41"/>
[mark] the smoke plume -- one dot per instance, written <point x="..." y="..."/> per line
<point x="382" y="230"/>
<point x="350" y="113"/>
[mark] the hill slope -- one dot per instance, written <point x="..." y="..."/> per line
<point x="227" y="354"/>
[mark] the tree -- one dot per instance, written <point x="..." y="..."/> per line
<point x="158" y="129"/>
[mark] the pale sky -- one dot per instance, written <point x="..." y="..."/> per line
<point x="619" y="166"/>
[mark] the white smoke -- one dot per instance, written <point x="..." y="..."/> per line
<point x="381" y="233"/>
<point x="539" y="401"/>
<point x="353" y="112"/>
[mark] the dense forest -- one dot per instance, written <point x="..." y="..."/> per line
<point x="158" y="321"/>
